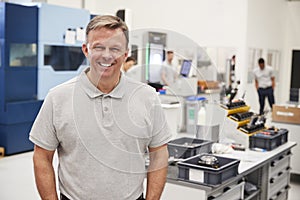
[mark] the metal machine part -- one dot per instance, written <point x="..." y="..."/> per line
<point x="209" y="160"/>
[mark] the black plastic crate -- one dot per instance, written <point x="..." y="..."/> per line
<point x="269" y="139"/>
<point x="284" y="135"/>
<point x="191" y="171"/>
<point x="186" y="147"/>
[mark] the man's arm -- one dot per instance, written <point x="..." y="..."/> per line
<point x="44" y="173"/>
<point x="273" y="82"/>
<point x="175" y="75"/>
<point x="157" y="172"/>
<point x="163" y="78"/>
<point x="256" y="84"/>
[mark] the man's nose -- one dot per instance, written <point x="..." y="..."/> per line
<point x="107" y="54"/>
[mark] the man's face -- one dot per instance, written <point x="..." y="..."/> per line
<point x="261" y="65"/>
<point x="106" y="51"/>
<point x="170" y="56"/>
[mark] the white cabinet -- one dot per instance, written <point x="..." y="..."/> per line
<point x="293" y="135"/>
<point x="279" y="176"/>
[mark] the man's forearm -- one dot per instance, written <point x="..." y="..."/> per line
<point x="44" y="177"/>
<point x="155" y="183"/>
<point x="45" y="181"/>
<point x="256" y="84"/>
<point x="273" y="82"/>
<point x="157" y="172"/>
<point x="165" y="82"/>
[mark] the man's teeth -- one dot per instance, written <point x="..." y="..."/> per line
<point x="105" y="65"/>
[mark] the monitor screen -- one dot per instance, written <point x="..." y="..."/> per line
<point x="185" y="68"/>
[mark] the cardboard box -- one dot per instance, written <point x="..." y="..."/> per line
<point x="286" y="114"/>
<point x="205" y="84"/>
<point x="1" y="152"/>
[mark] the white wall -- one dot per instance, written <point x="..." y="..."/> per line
<point x="208" y="22"/>
<point x="266" y="19"/>
<point x="18" y="1"/>
<point x="66" y="3"/>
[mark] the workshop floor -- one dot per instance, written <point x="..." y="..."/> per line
<point x="17" y="180"/>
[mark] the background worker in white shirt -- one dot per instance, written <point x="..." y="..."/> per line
<point x="168" y="71"/>
<point x="265" y="84"/>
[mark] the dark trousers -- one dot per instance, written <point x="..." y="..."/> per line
<point x="63" y="197"/>
<point x="262" y="94"/>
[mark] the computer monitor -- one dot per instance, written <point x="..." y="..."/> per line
<point x="185" y="68"/>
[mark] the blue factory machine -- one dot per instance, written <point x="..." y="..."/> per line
<point x="18" y="75"/>
<point x="40" y="47"/>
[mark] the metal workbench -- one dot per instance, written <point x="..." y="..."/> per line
<point x="270" y="171"/>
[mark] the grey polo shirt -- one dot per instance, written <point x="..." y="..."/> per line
<point x="101" y="139"/>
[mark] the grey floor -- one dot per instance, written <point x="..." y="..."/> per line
<point x="17" y="180"/>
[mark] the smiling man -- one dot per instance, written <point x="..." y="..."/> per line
<point x="106" y="50"/>
<point x="101" y="123"/>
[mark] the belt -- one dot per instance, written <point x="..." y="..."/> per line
<point x="63" y="197"/>
<point x="141" y="197"/>
<point x="265" y="88"/>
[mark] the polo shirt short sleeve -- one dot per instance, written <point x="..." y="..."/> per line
<point x="43" y="127"/>
<point x="161" y="133"/>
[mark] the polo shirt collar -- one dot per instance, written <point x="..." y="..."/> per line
<point x="94" y="92"/>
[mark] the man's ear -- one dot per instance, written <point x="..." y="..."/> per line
<point x="126" y="54"/>
<point x="85" y="49"/>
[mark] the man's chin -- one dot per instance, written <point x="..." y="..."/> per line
<point x="107" y="73"/>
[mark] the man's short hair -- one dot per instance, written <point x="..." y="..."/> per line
<point x="130" y="59"/>
<point x="261" y="61"/>
<point x="107" y="21"/>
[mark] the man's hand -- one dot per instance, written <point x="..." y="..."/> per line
<point x="273" y="82"/>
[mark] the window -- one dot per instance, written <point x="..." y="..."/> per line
<point x="63" y="58"/>
<point x="21" y="55"/>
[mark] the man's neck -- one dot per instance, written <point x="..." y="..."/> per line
<point x="108" y="86"/>
<point x="104" y="85"/>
